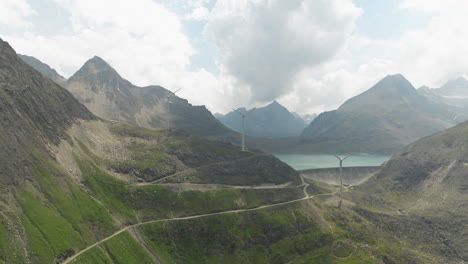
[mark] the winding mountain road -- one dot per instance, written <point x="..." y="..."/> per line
<point x="306" y="197"/>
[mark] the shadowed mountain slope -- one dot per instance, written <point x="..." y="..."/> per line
<point x="34" y="111"/>
<point x="383" y="119"/>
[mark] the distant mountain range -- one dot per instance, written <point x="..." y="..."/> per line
<point x="271" y="121"/>
<point x="383" y="119"/>
<point x="453" y="93"/>
<point x="103" y="91"/>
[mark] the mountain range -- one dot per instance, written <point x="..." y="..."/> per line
<point x="453" y="93"/>
<point x="361" y="125"/>
<point x="383" y="119"/>
<point x="78" y="189"/>
<point x="103" y="91"/>
<point x="271" y="121"/>
<point x="69" y="179"/>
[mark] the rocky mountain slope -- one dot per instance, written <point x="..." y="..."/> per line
<point x="427" y="185"/>
<point x="44" y="69"/>
<point x="383" y="119"/>
<point x="271" y="121"/>
<point x="34" y="111"/>
<point x="100" y="88"/>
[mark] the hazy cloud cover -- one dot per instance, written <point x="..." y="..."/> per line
<point x="266" y="43"/>
<point x="310" y="55"/>
<point x="13" y="14"/>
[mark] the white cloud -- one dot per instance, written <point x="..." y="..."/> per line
<point x="303" y="53"/>
<point x="141" y="39"/>
<point x="14" y="14"/>
<point x="436" y="6"/>
<point x="198" y="14"/>
<point x="428" y="56"/>
<point x="438" y="52"/>
<point x="266" y="43"/>
<point x="317" y="90"/>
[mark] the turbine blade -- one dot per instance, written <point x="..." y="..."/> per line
<point x="243" y="115"/>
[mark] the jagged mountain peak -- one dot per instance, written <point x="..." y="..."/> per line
<point x="274" y="103"/>
<point x="96" y="70"/>
<point x="394" y="82"/>
<point x="391" y="89"/>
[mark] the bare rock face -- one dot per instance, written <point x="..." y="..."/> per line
<point x="100" y="88"/>
<point x="34" y="111"/>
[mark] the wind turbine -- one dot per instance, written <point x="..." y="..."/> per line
<point x="457" y="116"/>
<point x="118" y="100"/>
<point x="243" y="127"/>
<point x="341" y="177"/>
<point x="172" y="94"/>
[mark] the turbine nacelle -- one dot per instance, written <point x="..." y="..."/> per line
<point x="168" y="98"/>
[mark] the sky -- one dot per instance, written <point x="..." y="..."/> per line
<point x="309" y="55"/>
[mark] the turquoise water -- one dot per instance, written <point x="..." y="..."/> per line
<point x="303" y="162"/>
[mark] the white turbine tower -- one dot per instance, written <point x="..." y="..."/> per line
<point x="341" y="177"/>
<point x="118" y="100"/>
<point x="457" y="116"/>
<point x="243" y="127"/>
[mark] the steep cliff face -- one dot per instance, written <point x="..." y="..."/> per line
<point x="34" y="112"/>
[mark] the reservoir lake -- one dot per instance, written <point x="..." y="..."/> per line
<point x="304" y="162"/>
